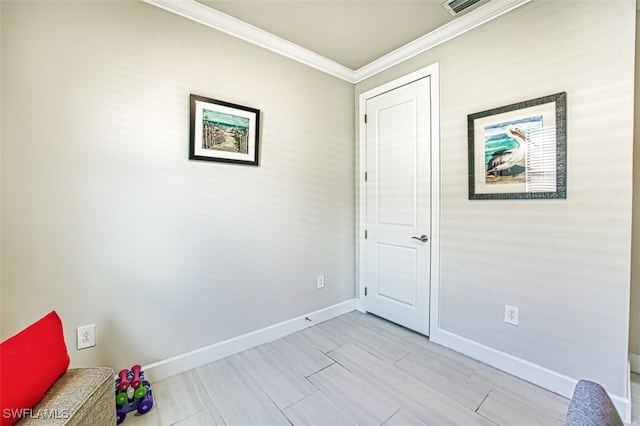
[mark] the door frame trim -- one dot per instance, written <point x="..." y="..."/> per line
<point x="432" y="71"/>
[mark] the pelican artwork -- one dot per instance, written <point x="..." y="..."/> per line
<point x="506" y="159"/>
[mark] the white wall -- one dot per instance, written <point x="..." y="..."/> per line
<point x="634" y="332"/>
<point x="564" y="263"/>
<point x="104" y="218"/>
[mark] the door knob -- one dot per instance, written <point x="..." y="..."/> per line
<point x="422" y="238"/>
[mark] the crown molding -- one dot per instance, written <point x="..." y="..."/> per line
<point x="461" y="25"/>
<point x="212" y="18"/>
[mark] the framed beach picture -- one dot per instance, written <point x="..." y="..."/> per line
<point x="519" y="151"/>
<point x="222" y="131"/>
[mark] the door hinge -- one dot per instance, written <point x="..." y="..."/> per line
<point x="365" y="291"/>
<point x="365" y="176"/>
<point x="365" y="234"/>
<point x="365" y="119"/>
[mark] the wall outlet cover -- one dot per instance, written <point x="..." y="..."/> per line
<point x="511" y="314"/>
<point x="86" y="336"/>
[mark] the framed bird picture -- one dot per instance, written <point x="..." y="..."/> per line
<point x="519" y="151"/>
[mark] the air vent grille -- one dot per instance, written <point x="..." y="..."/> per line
<point x="456" y="6"/>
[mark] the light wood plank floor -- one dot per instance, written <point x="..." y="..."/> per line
<point x="356" y="369"/>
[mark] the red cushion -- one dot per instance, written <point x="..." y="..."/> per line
<point x="30" y="362"/>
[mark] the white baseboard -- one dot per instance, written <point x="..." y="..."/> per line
<point x="635" y="362"/>
<point x="178" y="364"/>
<point x="526" y="370"/>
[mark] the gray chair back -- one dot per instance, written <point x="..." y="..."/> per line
<point x="591" y="406"/>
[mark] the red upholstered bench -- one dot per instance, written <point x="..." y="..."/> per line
<point x="37" y="387"/>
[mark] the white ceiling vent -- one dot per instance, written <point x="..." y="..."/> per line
<point x="455" y="7"/>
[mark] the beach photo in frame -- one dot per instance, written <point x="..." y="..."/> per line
<point x="519" y="151"/>
<point x="222" y="131"/>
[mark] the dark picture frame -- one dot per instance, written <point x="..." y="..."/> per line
<point x="222" y="131"/>
<point x="519" y="151"/>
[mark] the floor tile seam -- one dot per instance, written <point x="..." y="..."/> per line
<point x="287" y="417"/>
<point x="411" y="404"/>
<point x="338" y="404"/>
<point x="335" y="361"/>
<point x="439" y="358"/>
<point x="523" y="405"/>
<point x="250" y="369"/>
<point x="310" y="341"/>
<point x="395" y="364"/>
<point x="213" y="404"/>
<point x="404" y="380"/>
<point x="415" y="406"/>
<point x="365" y="332"/>
<point x="367" y="347"/>
<point x="382" y="332"/>
<point x="390" y="368"/>
<point x="200" y="383"/>
<point x="385" y="328"/>
<point x="515" y="395"/>
<point x="494" y="376"/>
<point x="265" y="389"/>
<point x="488" y="419"/>
<point x="353" y="417"/>
<point x="327" y="366"/>
<point x="195" y="414"/>
<point x="234" y="364"/>
<point x="445" y="377"/>
<point x="394" y="413"/>
<point x="436" y="389"/>
<point x="263" y="393"/>
<point x="299" y="400"/>
<point x="482" y="402"/>
<point x="319" y="371"/>
<point x="205" y="406"/>
<point x="367" y="379"/>
<point x="293" y="363"/>
<point x="297" y="374"/>
<point x="373" y="321"/>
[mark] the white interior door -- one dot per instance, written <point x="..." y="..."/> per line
<point x="398" y="210"/>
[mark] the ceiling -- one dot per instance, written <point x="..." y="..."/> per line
<point x="352" y="33"/>
<point x="349" y="39"/>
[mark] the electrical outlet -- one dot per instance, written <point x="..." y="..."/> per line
<point x="511" y="314"/>
<point x="86" y="336"/>
<point x="320" y="281"/>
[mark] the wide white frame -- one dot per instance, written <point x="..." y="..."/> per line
<point x="432" y="71"/>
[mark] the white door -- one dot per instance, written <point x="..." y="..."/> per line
<point x="398" y="210"/>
